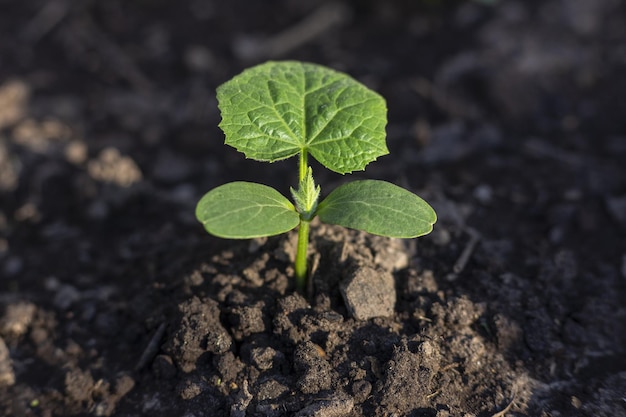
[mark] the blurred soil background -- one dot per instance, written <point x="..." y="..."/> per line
<point x="508" y="116"/>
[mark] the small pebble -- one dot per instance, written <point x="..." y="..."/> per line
<point x="76" y="152"/>
<point x="369" y="293"/>
<point x="335" y="406"/>
<point x="65" y="297"/>
<point x="483" y="193"/>
<point x="52" y="283"/>
<point x="199" y="59"/>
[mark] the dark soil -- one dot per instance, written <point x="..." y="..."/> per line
<point x="508" y="116"/>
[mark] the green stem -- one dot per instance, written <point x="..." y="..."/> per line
<point x="303" y="236"/>
<point x="303" y="164"/>
<point x="301" y="264"/>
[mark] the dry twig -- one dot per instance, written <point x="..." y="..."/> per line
<point x="152" y="348"/>
<point x="318" y="22"/>
<point x="506" y="409"/>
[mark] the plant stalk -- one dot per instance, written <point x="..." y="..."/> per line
<point x="303" y="164"/>
<point x="303" y="236"/>
<point x="301" y="264"/>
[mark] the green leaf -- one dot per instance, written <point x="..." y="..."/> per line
<point x="378" y="207"/>
<point x="278" y="109"/>
<point x="242" y="210"/>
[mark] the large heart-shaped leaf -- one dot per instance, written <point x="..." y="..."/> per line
<point x="278" y="109"/>
<point x="242" y="210"/>
<point x="378" y="207"/>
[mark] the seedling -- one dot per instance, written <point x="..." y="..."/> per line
<point x="277" y="110"/>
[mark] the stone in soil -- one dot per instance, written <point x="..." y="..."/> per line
<point x="335" y="406"/>
<point x="369" y="293"/>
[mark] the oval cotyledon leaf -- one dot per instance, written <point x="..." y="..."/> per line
<point x="279" y="109"/>
<point x="378" y="207"/>
<point x="243" y="210"/>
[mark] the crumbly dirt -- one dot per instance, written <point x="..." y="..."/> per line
<point x="507" y="116"/>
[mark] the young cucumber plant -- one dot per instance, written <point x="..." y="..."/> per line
<point x="277" y="110"/>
